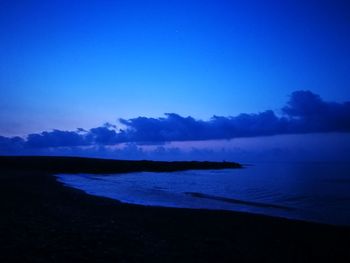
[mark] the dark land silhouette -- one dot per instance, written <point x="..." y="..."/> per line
<point x="44" y="221"/>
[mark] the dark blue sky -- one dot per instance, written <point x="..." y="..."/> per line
<point x="69" y="64"/>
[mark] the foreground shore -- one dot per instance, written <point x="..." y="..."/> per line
<point x="43" y="221"/>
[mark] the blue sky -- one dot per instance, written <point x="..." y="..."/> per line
<point x="69" y="64"/>
<point x="79" y="64"/>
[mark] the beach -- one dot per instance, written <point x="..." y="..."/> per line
<point x="44" y="221"/>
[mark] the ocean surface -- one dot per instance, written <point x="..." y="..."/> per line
<point x="310" y="191"/>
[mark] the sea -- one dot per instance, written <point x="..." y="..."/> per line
<point x="309" y="191"/>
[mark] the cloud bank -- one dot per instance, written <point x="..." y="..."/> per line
<point x="305" y="112"/>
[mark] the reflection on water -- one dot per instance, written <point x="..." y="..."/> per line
<point x="310" y="191"/>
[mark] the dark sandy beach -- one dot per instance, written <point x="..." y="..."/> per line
<point x="43" y="221"/>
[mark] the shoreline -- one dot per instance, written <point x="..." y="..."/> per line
<point x="45" y="221"/>
<point x="59" y="164"/>
<point x="229" y="200"/>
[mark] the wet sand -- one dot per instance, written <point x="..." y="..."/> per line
<point x="43" y="221"/>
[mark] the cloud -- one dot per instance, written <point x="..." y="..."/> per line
<point x="55" y="138"/>
<point x="305" y="112"/>
<point x="304" y="103"/>
<point x="102" y="136"/>
<point x="176" y="128"/>
<point x="11" y="145"/>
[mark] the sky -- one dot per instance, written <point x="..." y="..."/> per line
<point x="82" y="64"/>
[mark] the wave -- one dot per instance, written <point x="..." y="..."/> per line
<point x="237" y="201"/>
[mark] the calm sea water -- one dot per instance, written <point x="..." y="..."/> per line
<point x="309" y="191"/>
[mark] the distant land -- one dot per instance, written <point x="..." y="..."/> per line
<point x="94" y="165"/>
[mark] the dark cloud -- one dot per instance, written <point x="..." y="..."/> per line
<point x="102" y="136"/>
<point x="172" y="128"/>
<point x="55" y="138"/>
<point x="11" y="145"/>
<point x="305" y="112"/>
<point x="177" y="128"/>
<point x="303" y="104"/>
